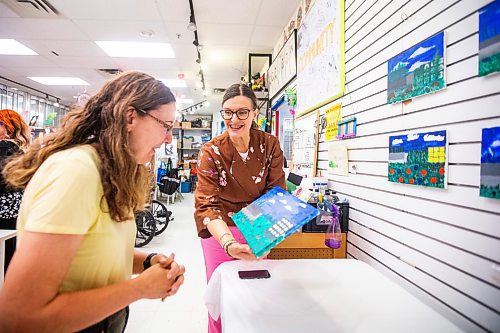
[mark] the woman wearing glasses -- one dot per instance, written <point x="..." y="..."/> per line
<point x="234" y="169"/>
<point x="75" y="256"/>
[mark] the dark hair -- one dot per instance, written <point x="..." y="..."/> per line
<point x="239" y="89"/>
<point x="102" y="122"/>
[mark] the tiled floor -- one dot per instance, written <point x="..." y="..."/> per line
<point x="184" y="312"/>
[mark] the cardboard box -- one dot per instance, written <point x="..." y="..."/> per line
<point x="186" y="124"/>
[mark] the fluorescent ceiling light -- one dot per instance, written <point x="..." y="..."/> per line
<point x="184" y="101"/>
<point x="174" y="83"/>
<point x="59" y="81"/>
<point x="136" y="49"/>
<point x="13" y="47"/>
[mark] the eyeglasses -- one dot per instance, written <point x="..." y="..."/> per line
<point x="165" y="124"/>
<point x="242" y="114"/>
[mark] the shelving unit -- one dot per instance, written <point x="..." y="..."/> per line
<point x="196" y="132"/>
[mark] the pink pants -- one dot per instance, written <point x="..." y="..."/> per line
<point x="214" y="256"/>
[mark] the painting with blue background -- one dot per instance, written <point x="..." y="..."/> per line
<point x="417" y="71"/>
<point x="490" y="163"/>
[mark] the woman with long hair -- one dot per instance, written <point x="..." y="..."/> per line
<point x="75" y="256"/>
<point x="14" y="139"/>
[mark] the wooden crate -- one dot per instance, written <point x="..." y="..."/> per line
<point x="303" y="245"/>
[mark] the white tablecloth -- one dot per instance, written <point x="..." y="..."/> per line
<point x="316" y="295"/>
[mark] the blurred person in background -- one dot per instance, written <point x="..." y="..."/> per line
<point x="15" y="137"/>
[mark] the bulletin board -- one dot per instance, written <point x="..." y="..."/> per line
<point x="305" y="145"/>
<point x="320" y="56"/>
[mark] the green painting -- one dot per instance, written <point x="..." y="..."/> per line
<point x="418" y="159"/>
<point x="489" y="39"/>
<point x="417" y="71"/>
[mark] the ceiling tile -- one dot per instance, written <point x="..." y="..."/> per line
<point x="108" y="10"/>
<point x="39" y="29"/>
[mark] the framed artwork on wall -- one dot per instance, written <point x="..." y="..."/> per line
<point x="418" y="159"/>
<point x="417" y="71"/>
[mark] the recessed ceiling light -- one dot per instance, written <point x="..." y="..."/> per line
<point x="174" y="83"/>
<point x="147" y="33"/>
<point x="136" y="49"/>
<point x="59" y="81"/>
<point x="184" y="101"/>
<point x="13" y="47"/>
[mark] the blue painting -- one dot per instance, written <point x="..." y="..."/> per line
<point x="418" y="159"/>
<point x="490" y="163"/>
<point x="417" y="71"/>
<point x="489" y="39"/>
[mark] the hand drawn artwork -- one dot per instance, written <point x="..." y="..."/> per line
<point x="320" y="56"/>
<point x="417" y="71"/>
<point x="338" y="162"/>
<point x="489" y="39"/>
<point x="490" y="163"/>
<point x="418" y="159"/>
<point x="283" y="69"/>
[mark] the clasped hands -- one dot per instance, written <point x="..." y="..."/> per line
<point x="163" y="278"/>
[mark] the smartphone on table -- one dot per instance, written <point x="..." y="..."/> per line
<point x="254" y="274"/>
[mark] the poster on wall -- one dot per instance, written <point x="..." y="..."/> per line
<point x="489" y="39"/>
<point x="333" y="116"/>
<point x="417" y="71"/>
<point x="338" y="162"/>
<point x="418" y="159"/>
<point x="283" y="69"/>
<point x="305" y="146"/>
<point x="320" y="55"/>
<point x="490" y="163"/>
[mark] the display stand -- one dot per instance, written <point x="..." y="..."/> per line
<point x="307" y="246"/>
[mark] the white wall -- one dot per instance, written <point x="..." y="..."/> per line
<point x="442" y="245"/>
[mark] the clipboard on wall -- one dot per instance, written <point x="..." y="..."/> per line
<point x="305" y="145"/>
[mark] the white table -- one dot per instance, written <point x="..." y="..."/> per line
<point x="316" y="295"/>
<point x="4" y="235"/>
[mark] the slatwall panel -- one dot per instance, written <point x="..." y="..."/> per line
<point x="442" y="245"/>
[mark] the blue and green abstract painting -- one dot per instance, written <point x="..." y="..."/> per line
<point x="489" y="39"/>
<point x="490" y="163"/>
<point x="417" y="71"/>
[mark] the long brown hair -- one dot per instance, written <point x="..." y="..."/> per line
<point x="102" y="123"/>
<point x="16" y="128"/>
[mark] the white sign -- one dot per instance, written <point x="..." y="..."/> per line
<point x="283" y="69"/>
<point x="320" y="55"/>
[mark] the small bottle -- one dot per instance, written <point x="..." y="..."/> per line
<point x="333" y="235"/>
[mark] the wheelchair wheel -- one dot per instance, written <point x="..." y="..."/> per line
<point x="146" y="226"/>
<point x="161" y="214"/>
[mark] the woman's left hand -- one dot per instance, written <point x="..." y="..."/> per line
<point x="163" y="260"/>
<point x="242" y="252"/>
